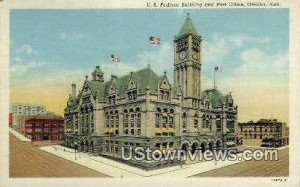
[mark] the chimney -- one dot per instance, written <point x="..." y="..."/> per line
<point x="73" y="90"/>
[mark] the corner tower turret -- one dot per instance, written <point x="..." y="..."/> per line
<point x="98" y="74"/>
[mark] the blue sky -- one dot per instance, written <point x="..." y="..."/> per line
<point x="58" y="47"/>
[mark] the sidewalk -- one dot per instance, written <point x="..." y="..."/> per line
<point x="19" y="136"/>
<point x="257" y="147"/>
<point x="117" y="169"/>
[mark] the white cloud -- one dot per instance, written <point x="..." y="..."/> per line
<point x="222" y="45"/>
<point x="160" y="60"/>
<point x="257" y="64"/>
<point x="25" y="49"/>
<point x="257" y="68"/>
<point x="71" y="36"/>
<point x="259" y="84"/>
<point x="21" y="68"/>
<point x="17" y="60"/>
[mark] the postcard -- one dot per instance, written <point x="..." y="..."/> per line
<point x="149" y="93"/>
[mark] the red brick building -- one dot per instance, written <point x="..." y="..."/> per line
<point x="44" y="128"/>
<point x="10" y="122"/>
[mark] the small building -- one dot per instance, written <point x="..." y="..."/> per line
<point x="10" y="120"/>
<point x="25" y="110"/>
<point x="264" y="132"/>
<point x="39" y="128"/>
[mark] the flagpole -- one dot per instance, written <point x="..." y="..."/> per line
<point x="214" y="79"/>
<point x="149" y="53"/>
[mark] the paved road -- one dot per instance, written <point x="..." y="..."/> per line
<point x="254" y="168"/>
<point x="27" y="160"/>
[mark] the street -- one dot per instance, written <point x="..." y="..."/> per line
<point x="26" y="160"/>
<point x="254" y="168"/>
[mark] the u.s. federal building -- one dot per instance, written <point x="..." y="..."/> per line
<point x="144" y="109"/>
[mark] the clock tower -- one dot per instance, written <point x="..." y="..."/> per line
<point x="187" y="62"/>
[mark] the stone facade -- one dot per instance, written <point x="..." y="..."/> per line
<point x="142" y="109"/>
<point x="264" y="131"/>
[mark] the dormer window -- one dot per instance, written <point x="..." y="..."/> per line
<point x="112" y="99"/>
<point x="164" y="95"/>
<point x="132" y="95"/>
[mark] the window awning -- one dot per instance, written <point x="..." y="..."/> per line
<point x="230" y="143"/>
<point x="157" y="130"/>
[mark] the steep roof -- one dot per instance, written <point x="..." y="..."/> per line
<point x="187" y="28"/>
<point x="145" y="79"/>
<point x="215" y="97"/>
<point x="97" y="88"/>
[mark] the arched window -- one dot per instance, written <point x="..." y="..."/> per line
<point x="125" y="121"/>
<point x="112" y="120"/>
<point x="132" y="94"/>
<point x="92" y="122"/>
<point x="107" y="119"/>
<point x="87" y="122"/>
<point x="165" y="117"/>
<point x="76" y="123"/>
<point x="171" y="121"/>
<point x="206" y="121"/>
<point x="158" y="118"/>
<point x="82" y="123"/>
<point x="171" y="118"/>
<point x="230" y="123"/>
<point x="218" y="123"/>
<point x="184" y="120"/>
<point x="138" y="120"/>
<point x="117" y="120"/>
<point x="132" y="116"/>
<point x="196" y="121"/>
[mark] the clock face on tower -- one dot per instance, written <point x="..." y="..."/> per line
<point x="182" y="55"/>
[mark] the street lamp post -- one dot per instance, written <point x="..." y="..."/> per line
<point x="75" y="148"/>
<point x="222" y="125"/>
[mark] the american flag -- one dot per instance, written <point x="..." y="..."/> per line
<point x="154" y="40"/>
<point x="115" y="58"/>
<point x="217" y="68"/>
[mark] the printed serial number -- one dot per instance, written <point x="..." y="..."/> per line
<point x="279" y="180"/>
